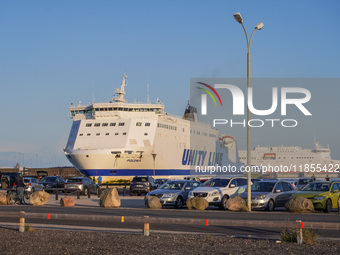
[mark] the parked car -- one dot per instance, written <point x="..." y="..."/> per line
<point x="84" y="184"/>
<point x="191" y="178"/>
<point x="174" y="193"/>
<point x="203" y="180"/>
<point x="9" y="178"/>
<point x="32" y="184"/>
<point x="142" y="185"/>
<point x="159" y="182"/>
<point x="324" y="195"/>
<point x="219" y="189"/>
<point x="41" y="174"/>
<point x="303" y="182"/>
<point x="53" y="182"/>
<point x="255" y="180"/>
<point x="270" y="194"/>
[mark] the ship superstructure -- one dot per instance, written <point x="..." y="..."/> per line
<point x="126" y="139"/>
<point x="295" y="157"/>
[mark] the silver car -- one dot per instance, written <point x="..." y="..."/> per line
<point x="32" y="184"/>
<point x="83" y="184"/>
<point x="174" y="193"/>
<point x="270" y="194"/>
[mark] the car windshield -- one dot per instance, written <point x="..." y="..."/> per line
<point x="140" y="179"/>
<point x="316" y="186"/>
<point x="26" y="180"/>
<point x="48" y="179"/>
<point x="262" y="186"/>
<point x="74" y="180"/>
<point x="173" y="185"/>
<point x="304" y="181"/>
<point x="216" y="182"/>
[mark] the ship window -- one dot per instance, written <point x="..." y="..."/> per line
<point x="88" y="124"/>
<point x="101" y="109"/>
<point x="98" y="134"/>
<point x="87" y="156"/>
<point x="121" y="124"/>
<point x="124" y="133"/>
<point x="126" y="109"/>
<point x="105" y="124"/>
<point x="128" y="152"/>
<point x="110" y="109"/>
<point x="145" y="133"/>
<point x="116" y="133"/>
<point x="120" y="109"/>
<point x="147" y="124"/>
<point x="138" y="124"/>
<point x="112" y="124"/>
<point x="88" y="134"/>
<point x="107" y="133"/>
<point x="115" y="108"/>
<point x="97" y="124"/>
<point x="80" y="134"/>
<point x="130" y="109"/>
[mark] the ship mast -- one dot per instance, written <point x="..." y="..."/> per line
<point x="120" y="93"/>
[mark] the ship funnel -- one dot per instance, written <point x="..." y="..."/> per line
<point x="190" y="113"/>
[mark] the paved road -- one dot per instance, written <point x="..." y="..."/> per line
<point x="134" y="206"/>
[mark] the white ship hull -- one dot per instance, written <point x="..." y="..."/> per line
<point x="292" y="158"/>
<point x="120" y="139"/>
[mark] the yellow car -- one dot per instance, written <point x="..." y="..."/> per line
<point x="324" y="195"/>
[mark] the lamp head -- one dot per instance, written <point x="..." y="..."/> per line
<point x="238" y="17"/>
<point x="259" y="26"/>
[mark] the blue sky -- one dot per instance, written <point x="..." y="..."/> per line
<point x="53" y="53"/>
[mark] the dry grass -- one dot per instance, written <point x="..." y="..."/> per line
<point x="290" y="236"/>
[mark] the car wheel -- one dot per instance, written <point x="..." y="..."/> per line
<point x="271" y="205"/>
<point x="328" y="206"/>
<point x="33" y="190"/>
<point x="223" y="205"/>
<point x="339" y="203"/>
<point x="179" y="203"/>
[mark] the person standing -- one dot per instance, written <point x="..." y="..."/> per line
<point x="19" y="182"/>
<point x="100" y="179"/>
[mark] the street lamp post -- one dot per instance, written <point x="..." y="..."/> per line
<point x="259" y="26"/>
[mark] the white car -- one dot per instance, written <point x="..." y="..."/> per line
<point x="219" y="189"/>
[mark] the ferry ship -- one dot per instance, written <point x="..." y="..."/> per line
<point x="120" y="139"/>
<point x="294" y="158"/>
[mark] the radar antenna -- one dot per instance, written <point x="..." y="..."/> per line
<point x="120" y="93"/>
